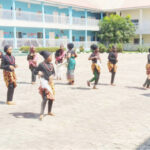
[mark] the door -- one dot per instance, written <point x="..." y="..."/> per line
<point x="39" y="35"/>
<point x="52" y="35"/>
<point x="89" y="38"/>
<point x="19" y="35"/>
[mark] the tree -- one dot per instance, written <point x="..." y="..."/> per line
<point x="116" y="29"/>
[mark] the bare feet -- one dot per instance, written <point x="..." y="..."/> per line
<point x="33" y="83"/>
<point x="51" y="114"/>
<point x="88" y="83"/>
<point x="41" y="117"/>
<point x="113" y="84"/>
<point x="10" y="103"/>
<point x="94" y="87"/>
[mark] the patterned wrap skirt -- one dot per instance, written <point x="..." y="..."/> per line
<point x="95" y="66"/>
<point x="148" y="69"/>
<point x="50" y="94"/>
<point x="9" y="77"/>
<point x="112" y="67"/>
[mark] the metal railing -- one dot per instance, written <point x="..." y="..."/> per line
<point x="37" y="17"/>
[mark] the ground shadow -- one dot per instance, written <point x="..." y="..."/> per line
<point x="145" y="145"/>
<point x="23" y="83"/>
<point x="2" y="103"/>
<point x="104" y="84"/>
<point x="147" y="95"/>
<point x="61" y="84"/>
<point x="134" y="87"/>
<point x="80" y="88"/>
<point x="27" y="115"/>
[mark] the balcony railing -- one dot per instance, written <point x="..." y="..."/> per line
<point x="37" y="17"/>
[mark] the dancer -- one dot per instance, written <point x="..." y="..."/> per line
<point x="59" y="56"/>
<point x="147" y="82"/>
<point x="96" y="60"/>
<point x="71" y="55"/>
<point x="8" y="65"/>
<point x="32" y="58"/>
<point x="46" y="71"/>
<point x="112" y="61"/>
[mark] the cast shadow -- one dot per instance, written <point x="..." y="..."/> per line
<point x="145" y="145"/>
<point x="134" y="87"/>
<point x="27" y="115"/>
<point x="147" y="95"/>
<point x="104" y="84"/>
<point x="80" y="88"/>
<point x="61" y="83"/>
<point x="23" y="83"/>
<point x="2" y="103"/>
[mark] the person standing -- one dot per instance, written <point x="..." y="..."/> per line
<point x="46" y="71"/>
<point x="112" y="61"/>
<point x="32" y="59"/>
<point x="8" y="65"/>
<point x="71" y="55"/>
<point x="59" y="59"/>
<point x="147" y="82"/>
<point x="96" y="60"/>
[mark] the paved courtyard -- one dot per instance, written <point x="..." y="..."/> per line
<point x="110" y="118"/>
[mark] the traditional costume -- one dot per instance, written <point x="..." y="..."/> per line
<point x="32" y="59"/>
<point x="71" y="55"/>
<point x="8" y="62"/>
<point x="112" y="67"/>
<point x="95" y="58"/>
<point x="147" y="82"/>
<point x="59" y="56"/>
<point x="46" y="88"/>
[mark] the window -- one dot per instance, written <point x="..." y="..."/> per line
<point x="82" y="38"/>
<point x="135" y="21"/>
<point x="73" y="38"/>
<point x="136" y="41"/>
<point x="39" y="35"/>
<point x="19" y="35"/>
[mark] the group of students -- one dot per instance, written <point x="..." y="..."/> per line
<point x="46" y="72"/>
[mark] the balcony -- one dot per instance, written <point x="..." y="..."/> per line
<point x="59" y="21"/>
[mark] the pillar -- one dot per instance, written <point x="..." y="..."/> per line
<point x="14" y="9"/>
<point x="101" y="15"/>
<point x="43" y="12"/>
<point x="140" y="19"/>
<point x="44" y="38"/>
<point x="70" y="21"/>
<point x="141" y="40"/>
<point x="86" y="23"/>
<point x="15" y="37"/>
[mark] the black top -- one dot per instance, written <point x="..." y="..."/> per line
<point x="7" y="60"/>
<point x="112" y="57"/>
<point x="94" y="60"/>
<point x="47" y="69"/>
<point x="148" y="57"/>
<point x="59" y="53"/>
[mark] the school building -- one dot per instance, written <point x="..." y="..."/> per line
<point x="47" y="23"/>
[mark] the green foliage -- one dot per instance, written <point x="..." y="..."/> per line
<point x="142" y="49"/>
<point x="116" y="29"/>
<point x="102" y="48"/>
<point x="81" y="49"/>
<point x="26" y="49"/>
<point x="119" y="47"/>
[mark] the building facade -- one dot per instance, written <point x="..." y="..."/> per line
<point x="47" y="23"/>
<point x="44" y="24"/>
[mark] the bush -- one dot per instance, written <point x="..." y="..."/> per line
<point x="81" y="49"/>
<point x="119" y="47"/>
<point x="142" y="49"/>
<point x="102" y="48"/>
<point x="26" y="49"/>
